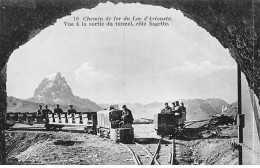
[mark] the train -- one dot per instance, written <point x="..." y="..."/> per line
<point x="105" y="123"/>
<point x="109" y="124"/>
<point x="168" y="124"/>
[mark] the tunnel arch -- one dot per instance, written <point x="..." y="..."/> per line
<point x="233" y="23"/>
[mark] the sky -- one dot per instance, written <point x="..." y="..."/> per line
<point x="126" y="64"/>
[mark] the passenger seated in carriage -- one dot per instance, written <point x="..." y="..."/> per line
<point x="71" y="110"/>
<point x="167" y="109"/>
<point x="58" y="110"/>
<point x="39" y="112"/>
<point x="183" y="108"/>
<point x="173" y="106"/>
<point x="183" y="114"/>
<point x="45" y="113"/>
<point x="177" y="111"/>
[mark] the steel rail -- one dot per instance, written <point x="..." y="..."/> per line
<point x="157" y="151"/>
<point x="149" y="153"/>
<point x="136" y="159"/>
<point x="173" y="152"/>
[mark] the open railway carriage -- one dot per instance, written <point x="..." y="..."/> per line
<point x="86" y="119"/>
<point x="167" y="124"/>
<point x="23" y="118"/>
<point x="109" y="126"/>
<point x="54" y="121"/>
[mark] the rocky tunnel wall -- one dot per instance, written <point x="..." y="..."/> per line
<point x="235" y="23"/>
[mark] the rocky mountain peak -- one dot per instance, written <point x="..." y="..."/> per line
<point x="54" y="89"/>
<point x="55" y="76"/>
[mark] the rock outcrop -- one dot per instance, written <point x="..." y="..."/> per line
<point x="54" y="89"/>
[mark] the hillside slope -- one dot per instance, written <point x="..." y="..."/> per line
<point x="18" y="105"/>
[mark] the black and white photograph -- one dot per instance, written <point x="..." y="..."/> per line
<point x="129" y="82"/>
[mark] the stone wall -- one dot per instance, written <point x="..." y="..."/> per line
<point x="3" y="106"/>
<point x="235" y="23"/>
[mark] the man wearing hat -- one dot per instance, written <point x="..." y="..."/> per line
<point x="45" y="112"/>
<point x="111" y="107"/>
<point x="183" y="112"/>
<point x="167" y="109"/>
<point x="58" y="110"/>
<point x="39" y="112"/>
<point x="183" y="108"/>
<point x="71" y="110"/>
<point x="177" y="110"/>
<point x="173" y="106"/>
<point x="127" y="116"/>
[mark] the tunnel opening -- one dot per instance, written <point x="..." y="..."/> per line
<point x="185" y="57"/>
<point x="189" y="66"/>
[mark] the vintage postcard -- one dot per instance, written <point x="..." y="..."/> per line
<point x="160" y="82"/>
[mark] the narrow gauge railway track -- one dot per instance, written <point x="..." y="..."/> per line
<point x="142" y="156"/>
<point x="167" y="152"/>
<point x="182" y="152"/>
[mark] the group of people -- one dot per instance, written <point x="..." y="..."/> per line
<point x="127" y="117"/>
<point x="57" y="110"/>
<point x="176" y="108"/>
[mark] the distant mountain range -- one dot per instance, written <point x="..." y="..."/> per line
<point x="19" y="105"/>
<point x="52" y="90"/>
<point x="196" y="108"/>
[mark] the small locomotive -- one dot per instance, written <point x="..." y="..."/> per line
<point x="168" y="124"/>
<point x="110" y="124"/>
